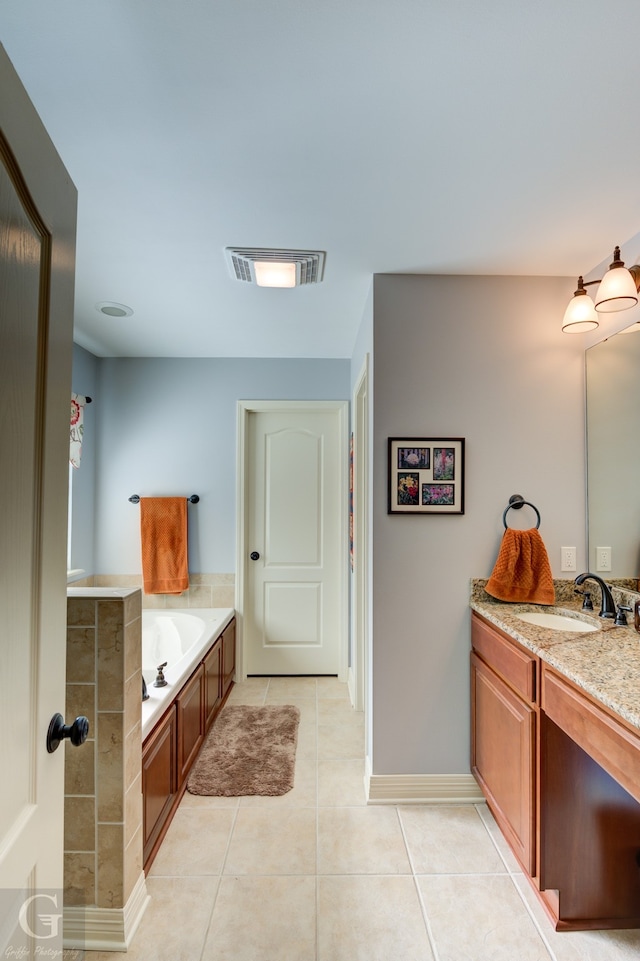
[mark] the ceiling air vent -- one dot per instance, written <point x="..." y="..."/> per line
<point x="309" y="264"/>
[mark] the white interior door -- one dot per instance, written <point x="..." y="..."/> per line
<point x="296" y="546"/>
<point x="37" y="248"/>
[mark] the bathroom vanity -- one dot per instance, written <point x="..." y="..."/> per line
<point x="172" y="746"/>
<point x="556" y="751"/>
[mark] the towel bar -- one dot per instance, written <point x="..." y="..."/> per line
<point x="517" y="501"/>
<point x="135" y="499"/>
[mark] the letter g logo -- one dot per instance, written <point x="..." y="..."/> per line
<point x="50" y="921"/>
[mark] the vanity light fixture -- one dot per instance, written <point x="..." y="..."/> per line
<point x="618" y="290"/>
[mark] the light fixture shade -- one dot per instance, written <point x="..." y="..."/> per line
<point x="274" y="274"/>
<point x="617" y="290"/>
<point x="580" y="316"/>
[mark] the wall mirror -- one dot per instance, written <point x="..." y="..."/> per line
<point x="613" y="452"/>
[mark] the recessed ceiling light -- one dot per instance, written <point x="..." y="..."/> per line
<point x="111" y="309"/>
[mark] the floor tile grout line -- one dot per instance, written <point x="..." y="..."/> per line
<point x="493" y="840"/>
<point x="536" y="925"/>
<point x="210" y="921"/>
<point x="414" y="877"/>
<point x="229" y="839"/>
<point x="512" y="875"/>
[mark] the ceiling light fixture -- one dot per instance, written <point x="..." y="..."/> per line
<point x="275" y="266"/>
<point x="618" y="290"/>
<point x="275" y="274"/>
<point x="111" y="309"/>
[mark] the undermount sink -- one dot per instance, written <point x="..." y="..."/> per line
<point x="558" y="622"/>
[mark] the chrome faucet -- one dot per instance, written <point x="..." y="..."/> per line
<point x="607" y="605"/>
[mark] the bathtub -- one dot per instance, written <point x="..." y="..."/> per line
<point x="181" y="638"/>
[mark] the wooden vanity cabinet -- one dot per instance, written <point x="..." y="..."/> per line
<point x="159" y="781"/>
<point x="561" y="774"/>
<point x="190" y="705"/>
<point x="213" y="683"/>
<point x="589" y="811"/>
<point x="228" y="656"/>
<point x="503" y="734"/>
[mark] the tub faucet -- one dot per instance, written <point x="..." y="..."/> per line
<point x="160" y="679"/>
<point x="607" y="605"/>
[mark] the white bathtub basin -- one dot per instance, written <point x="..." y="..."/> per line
<point x="557" y="622"/>
<point x="182" y="638"/>
<point x="167" y="636"/>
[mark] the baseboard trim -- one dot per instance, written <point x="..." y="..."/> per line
<point x="105" y="929"/>
<point x="422" y="789"/>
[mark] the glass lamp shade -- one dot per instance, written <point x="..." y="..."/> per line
<point x="274" y="274"/>
<point x="580" y="316"/>
<point x="617" y="291"/>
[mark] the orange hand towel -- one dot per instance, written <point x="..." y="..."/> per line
<point x="522" y="572"/>
<point x="163" y="533"/>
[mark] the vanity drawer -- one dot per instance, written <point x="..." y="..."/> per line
<point x="517" y="666"/>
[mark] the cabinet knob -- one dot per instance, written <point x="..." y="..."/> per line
<point x="254" y="556"/>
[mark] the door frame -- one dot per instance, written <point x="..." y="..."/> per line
<point x="244" y="410"/>
<point x="359" y="667"/>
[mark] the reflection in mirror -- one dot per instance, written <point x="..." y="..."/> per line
<point x="613" y="452"/>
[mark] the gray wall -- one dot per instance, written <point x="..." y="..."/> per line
<point x="84" y="381"/>
<point x="168" y="426"/>
<point x="481" y="358"/>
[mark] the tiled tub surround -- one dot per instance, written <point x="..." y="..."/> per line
<point x="205" y="590"/>
<point x="105" y="891"/>
<point x="564" y="708"/>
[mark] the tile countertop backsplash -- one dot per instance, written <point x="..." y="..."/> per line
<point x="604" y="663"/>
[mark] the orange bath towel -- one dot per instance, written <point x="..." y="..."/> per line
<point x="522" y="572"/>
<point x="163" y="533"/>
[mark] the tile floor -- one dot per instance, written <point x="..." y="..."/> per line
<point x="317" y="875"/>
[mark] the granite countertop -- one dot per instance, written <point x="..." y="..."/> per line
<point x="604" y="663"/>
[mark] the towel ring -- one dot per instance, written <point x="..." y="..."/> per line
<point x="516" y="501"/>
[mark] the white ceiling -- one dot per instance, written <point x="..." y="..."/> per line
<point x="413" y="136"/>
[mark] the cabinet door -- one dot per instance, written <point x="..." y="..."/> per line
<point x="503" y="757"/>
<point x="213" y="682"/>
<point x="190" y="704"/>
<point x="159" y="781"/>
<point x="228" y="656"/>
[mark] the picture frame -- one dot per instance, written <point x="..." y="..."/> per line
<point x="426" y="475"/>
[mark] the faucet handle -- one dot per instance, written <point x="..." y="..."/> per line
<point x="621" y="617"/>
<point x="587" y="603"/>
<point x="160" y="679"/>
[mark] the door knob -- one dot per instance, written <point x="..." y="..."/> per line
<point x="254" y="556"/>
<point x="58" y="730"/>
